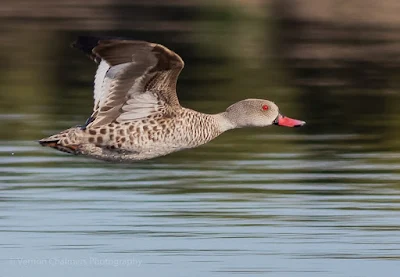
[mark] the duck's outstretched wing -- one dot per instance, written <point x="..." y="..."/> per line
<point x="134" y="79"/>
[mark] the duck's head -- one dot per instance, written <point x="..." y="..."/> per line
<point x="258" y="113"/>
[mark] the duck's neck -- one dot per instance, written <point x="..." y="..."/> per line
<point x="223" y="121"/>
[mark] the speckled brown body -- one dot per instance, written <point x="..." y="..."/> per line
<point x="144" y="138"/>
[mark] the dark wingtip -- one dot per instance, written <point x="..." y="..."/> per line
<point x="87" y="43"/>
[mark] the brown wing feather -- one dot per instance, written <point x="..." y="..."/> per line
<point x="136" y="67"/>
<point x="169" y="65"/>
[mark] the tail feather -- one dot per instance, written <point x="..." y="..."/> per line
<point x="48" y="143"/>
<point x="60" y="142"/>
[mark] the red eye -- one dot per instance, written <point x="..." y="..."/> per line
<point x="265" y="107"/>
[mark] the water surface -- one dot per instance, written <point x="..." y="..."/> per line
<point x="323" y="200"/>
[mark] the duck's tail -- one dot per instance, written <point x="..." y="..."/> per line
<point x="62" y="141"/>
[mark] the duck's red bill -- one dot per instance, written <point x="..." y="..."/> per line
<point x="282" y="120"/>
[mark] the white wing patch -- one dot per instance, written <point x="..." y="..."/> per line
<point x="105" y="75"/>
<point x="140" y="106"/>
<point x="99" y="92"/>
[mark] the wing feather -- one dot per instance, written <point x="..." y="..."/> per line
<point x="99" y="83"/>
<point x="134" y="79"/>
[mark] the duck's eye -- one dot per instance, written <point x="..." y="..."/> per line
<point x="265" y="107"/>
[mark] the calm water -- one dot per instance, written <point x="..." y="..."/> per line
<point x="323" y="200"/>
<point x="213" y="211"/>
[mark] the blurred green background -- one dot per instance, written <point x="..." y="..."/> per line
<point x="334" y="64"/>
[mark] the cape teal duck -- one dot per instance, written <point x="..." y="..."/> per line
<point x="137" y="115"/>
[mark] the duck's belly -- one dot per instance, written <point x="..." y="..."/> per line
<point x="152" y="140"/>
